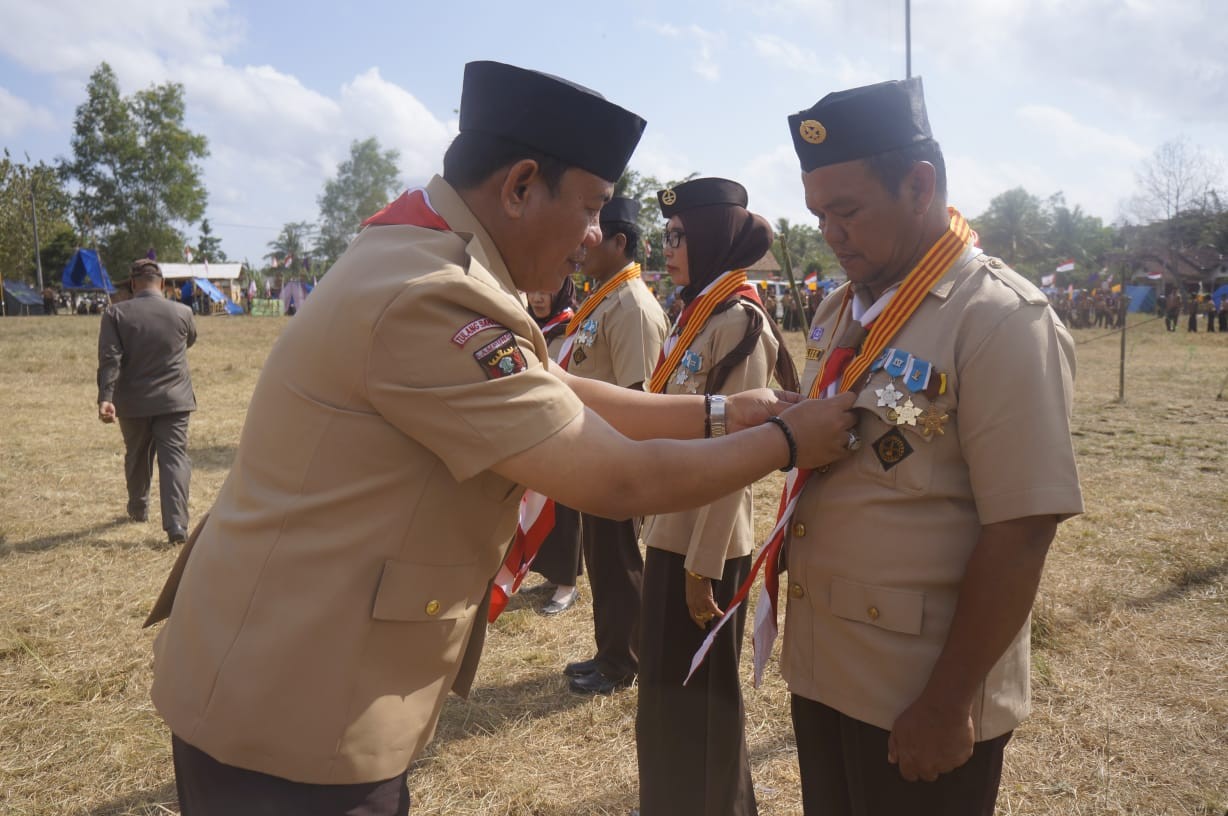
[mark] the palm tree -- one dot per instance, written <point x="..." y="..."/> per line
<point x="291" y="243"/>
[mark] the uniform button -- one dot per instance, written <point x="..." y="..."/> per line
<point x="432" y="608"/>
<point x="796" y="591"/>
<point x="873" y="613"/>
<point x="799" y="530"/>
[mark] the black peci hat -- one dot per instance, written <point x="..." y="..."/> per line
<point x="701" y="192"/>
<point x="620" y="210"/>
<point x="860" y="122"/>
<point x="546" y="113"/>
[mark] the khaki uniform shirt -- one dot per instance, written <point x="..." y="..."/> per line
<point x="879" y="544"/>
<point x="627" y="343"/>
<point x="324" y="611"/>
<point x="710" y="535"/>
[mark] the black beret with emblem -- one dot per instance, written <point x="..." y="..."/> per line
<point x="620" y="211"/>
<point x="546" y="113"/>
<point x="701" y="192"/>
<point x="860" y="122"/>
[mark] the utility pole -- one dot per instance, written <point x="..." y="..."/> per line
<point x="38" y="260"/>
<point x="908" y="39"/>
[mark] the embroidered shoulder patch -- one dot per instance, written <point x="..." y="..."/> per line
<point x="468" y="331"/>
<point x="816" y="334"/>
<point x="501" y="357"/>
<point x="892" y="448"/>
<point x="813" y="353"/>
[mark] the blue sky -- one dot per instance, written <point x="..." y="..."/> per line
<point x="1053" y="95"/>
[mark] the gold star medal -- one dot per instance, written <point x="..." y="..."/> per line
<point x="907" y="413"/>
<point x="932" y="419"/>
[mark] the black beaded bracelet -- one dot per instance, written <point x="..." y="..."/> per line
<point x="707" y="416"/>
<point x="784" y="427"/>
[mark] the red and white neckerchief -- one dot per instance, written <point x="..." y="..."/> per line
<point x="535" y="523"/>
<point x="882" y="322"/>
<point x="691" y="322"/>
<point x="630" y="272"/>
<point x="559" y="319"/>
<point x="411" y="208"/>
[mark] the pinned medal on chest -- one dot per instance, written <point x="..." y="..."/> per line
<point x="587" y="333"/>
<point x="501" y="357"/>
<point x="690" y="366"/>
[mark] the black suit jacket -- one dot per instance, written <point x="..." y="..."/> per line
<point x="142" y="356"/>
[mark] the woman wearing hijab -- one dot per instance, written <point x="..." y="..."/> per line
<point x="558" y="560"/>
<point x="690" y="738"/>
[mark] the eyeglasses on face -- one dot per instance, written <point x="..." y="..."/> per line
<point x="674" y="238"/>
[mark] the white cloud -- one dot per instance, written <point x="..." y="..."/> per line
<point x="1071" y="138"/>
<point x="16" y="115"/>
<point x="706" y="43"/>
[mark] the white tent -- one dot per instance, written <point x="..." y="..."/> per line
<point x="213" y="271"/>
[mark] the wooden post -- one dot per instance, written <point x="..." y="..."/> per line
<point x="1125" y="312"/>
<point x="797" y="298"/>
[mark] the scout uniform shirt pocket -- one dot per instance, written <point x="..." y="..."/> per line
<point x="426" y="592"/>
<point x="894" y="609"/>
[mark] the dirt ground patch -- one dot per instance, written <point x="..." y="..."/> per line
<point x="1130" y="671"/>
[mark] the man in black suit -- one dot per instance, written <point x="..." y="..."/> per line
<point x="143" y="381"/>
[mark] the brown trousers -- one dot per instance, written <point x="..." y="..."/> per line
<point x="164" y="436"/>
<point x="845" y="771"/>
<point x="615" y="572"/>
<point x="691" y="739"/>
<point x="211" y="788"/>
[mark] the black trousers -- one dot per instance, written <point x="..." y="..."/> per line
<point x="615" y="572"/>
<point x="691" y="739"/>
<point x="166" y="436"/>
<point x="210" y="788"/>
<point x="558" y="560"/>
<point x="845" y="771"/>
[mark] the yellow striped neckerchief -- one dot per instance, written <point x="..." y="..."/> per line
<point x="594" y="300"/>
<point x="936" y="262"/>
<point x="696" y="315"/>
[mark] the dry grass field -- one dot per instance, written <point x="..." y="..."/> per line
<point x="1131" y="633"/>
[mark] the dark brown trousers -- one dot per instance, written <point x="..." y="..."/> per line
<point x="845" y="771"/>
<point x="615" y="572"/>
<point x="558" y="560"/>
<point x="211" y="788"/>
<point x="166" y="437"/>
<point x="690" y="739"/>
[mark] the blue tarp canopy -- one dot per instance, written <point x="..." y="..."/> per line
<point x="21" y="298"/>
<point x="212" y="291"/>
<point x="1142" y="298"/>
<point x="84" y="271"/>
<point x="1219" y="294"/>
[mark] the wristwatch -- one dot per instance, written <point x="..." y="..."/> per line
<point x="718" y="415"/>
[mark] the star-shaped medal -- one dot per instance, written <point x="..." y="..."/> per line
<point x="907" y="413"/>
<point x="888" y="397"/>
<point x="932" y="420"/>
<point x="681" y="377"/>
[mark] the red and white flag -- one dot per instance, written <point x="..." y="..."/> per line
<point x="812" y="280"/>
<point x="1155" y="275"/>
<point x="536" y="522"/>
<point x="1048" y="280"/>
<point x="1067" y="265"/>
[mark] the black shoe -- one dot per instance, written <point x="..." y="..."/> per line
<point x="176" y="535"/>
<point x="598" y="683"/>
<point x="138" y="515"/>
<point x="581" y="668"/>
<point x="555" y="606"/>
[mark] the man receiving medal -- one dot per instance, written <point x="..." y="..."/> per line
<point x="913" y="563"/>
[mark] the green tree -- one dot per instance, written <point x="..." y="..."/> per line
<point x="50" y="203"/>
<point x="134" y="166"/>
<point x="209" y="247"/>
<point x="808" y="252"/>
<point x="1014" y="228"/>
<point x="365" y="182"/>
<point x="289" y="248"/>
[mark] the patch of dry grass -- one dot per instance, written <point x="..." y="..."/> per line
<point x="1130" y="634"/>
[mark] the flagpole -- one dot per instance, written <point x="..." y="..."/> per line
<point x="908" y="39"/>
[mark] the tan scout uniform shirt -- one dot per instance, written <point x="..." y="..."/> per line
<point x="710" y="535"/>
<point x="876" y="554"/>
<point x="324" y="612"/>
<point x="630" y="331"/>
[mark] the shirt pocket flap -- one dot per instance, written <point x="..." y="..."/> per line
<point x="424" y="592"/>
<point x="895" y="609"/>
